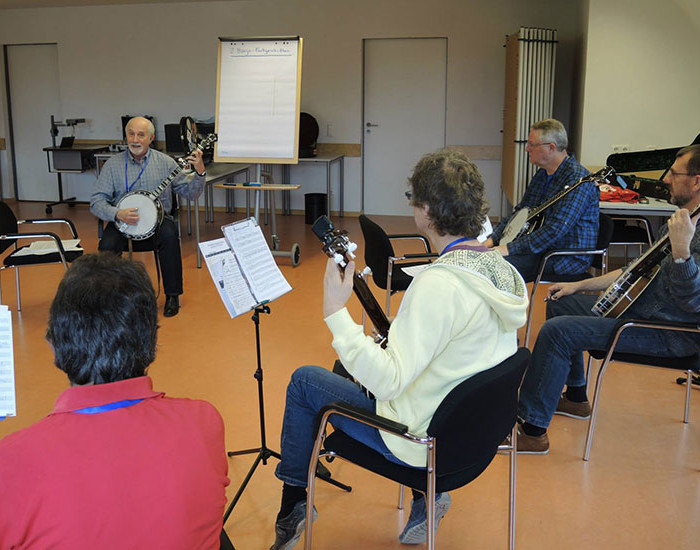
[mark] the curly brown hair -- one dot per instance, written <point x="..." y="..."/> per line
<point x="453" y="189"/>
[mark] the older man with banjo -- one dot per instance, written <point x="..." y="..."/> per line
<point x="663" y="284"/>
<point x="137" y="172"/>
<point x="569" y="221"/>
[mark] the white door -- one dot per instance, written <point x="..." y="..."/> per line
<point x="34" y="97"/>
<point x="405" y="82"/>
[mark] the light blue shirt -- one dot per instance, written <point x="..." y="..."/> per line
<point x="112" y="183"/>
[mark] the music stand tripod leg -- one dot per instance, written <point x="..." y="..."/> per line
<point x="264" y="453"/>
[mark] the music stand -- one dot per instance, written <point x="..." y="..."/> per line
<point x="264" y="452"/>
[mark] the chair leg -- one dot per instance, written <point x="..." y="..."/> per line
<point x="401" y="492"/>
<point x="688" y="387"/>
<point x="512" y="486"/>
<point x="389" y="274"/>
<point x="430" y="496"/>
<point x="19" y="301"/>
<point x="588" y="373"/>
<point x="594" y="408"/>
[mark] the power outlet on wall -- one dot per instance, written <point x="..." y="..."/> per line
<point x="329" y="130"/>
<point x="621" y="148"/>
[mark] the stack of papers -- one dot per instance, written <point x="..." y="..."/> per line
<point x="8" y="401"/>
<point x="49" y="247"/>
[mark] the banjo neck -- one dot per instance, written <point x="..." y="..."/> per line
<point x="181" y="165"/>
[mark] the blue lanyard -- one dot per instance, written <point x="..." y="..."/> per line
<point x="126" y="171"/>
<point x="109" y="406"/>
<point x="453" y="243"/>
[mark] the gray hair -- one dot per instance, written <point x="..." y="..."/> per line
<point x="552" y="131"/>
<point x="151" y="128"/>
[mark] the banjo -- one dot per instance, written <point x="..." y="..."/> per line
<point x="624" y="290"/>
<point x="148" y="203"/>
<point x="526" y="220"/>
<point x="338" y="246"/>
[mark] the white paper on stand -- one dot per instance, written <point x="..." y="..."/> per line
<point x="49" y="247"/>
<point x="228" y="279"/>
<point x="8" y="398"/>
<point x="248" y="243"/>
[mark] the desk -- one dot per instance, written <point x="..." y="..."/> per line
<point x="69" y="160"/>
<point x="655" y="207"/>
<point x="217" y="171"/>
<point x="270" y="188"/>
<point x="328" y="160"/>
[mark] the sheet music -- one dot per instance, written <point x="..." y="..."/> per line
<point x="48" y="247"/>
<point x="257" y="263"/>
<point x="8" y="399"/>
<point x="228" y="279"/>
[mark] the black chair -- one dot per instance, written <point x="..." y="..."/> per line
<point x="690" y="364"/>
<point x="380" y="258"/>
<point x="10" y="235"/>
<point x="462" y="439"/>
<point x="600" y="253"/>
<point x="631" y="231"/>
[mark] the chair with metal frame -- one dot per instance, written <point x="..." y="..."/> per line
<point x="600" y="254"/>
<point x="381" y="258"/>
<point x="690" y="364"/>
<point x="464" y="435"/>
<point x="9" y="235"/>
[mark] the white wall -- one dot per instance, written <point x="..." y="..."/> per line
<point x="642" y="81"/>
<point x="161" y="59"/>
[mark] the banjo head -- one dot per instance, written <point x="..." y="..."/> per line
<point x="515" y="226"/>
<point x="150" y="215"/>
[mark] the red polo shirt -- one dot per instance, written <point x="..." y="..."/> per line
<point x="147" y="475"/>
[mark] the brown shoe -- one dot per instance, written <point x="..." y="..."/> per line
<point x="532" y="444"/>
<point x="572" y="409"/>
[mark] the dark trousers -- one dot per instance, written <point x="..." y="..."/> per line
<point x="528" y="265"/>
<point x="168" y="245"/>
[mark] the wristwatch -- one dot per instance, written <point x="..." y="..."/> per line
<point x="681" y="260"/>
<point x="202" y="174"/>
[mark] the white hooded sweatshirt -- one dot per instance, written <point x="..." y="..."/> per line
<point x="459" y="317"/>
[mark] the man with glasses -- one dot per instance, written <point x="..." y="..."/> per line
<point x="571" y="222"/>
<point x="571" y="327"/>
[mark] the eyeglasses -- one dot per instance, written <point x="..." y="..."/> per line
<point x="533" y="145"/>
<point x="674" y="173"/>
<point x="409" y="195"/>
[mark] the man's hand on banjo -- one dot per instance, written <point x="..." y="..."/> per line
<point x="195" y="159"/>
<point x="129" y="216"/>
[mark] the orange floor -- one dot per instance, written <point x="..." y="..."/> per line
<point x="641" y="488"/>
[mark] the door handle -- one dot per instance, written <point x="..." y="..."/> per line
<point x="370" y="125"/>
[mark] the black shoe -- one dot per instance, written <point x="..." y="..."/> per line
<point x="288" y="530"/>
<point x="172" y="306"/>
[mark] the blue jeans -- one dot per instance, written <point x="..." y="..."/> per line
<point x="310" y="389"/>
<point x="557" y="357"/>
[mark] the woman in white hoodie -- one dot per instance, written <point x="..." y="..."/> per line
<point x="458" y="317"/>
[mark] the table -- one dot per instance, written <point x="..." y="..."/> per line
<point x="69" y="160"/>
<point x="217" y="171"/>
<point x="269" y="188"/>
<point x="328" y="160"/>
<point x="655" y="207"/>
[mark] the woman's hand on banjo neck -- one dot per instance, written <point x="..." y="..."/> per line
<point x="129" y="216"/>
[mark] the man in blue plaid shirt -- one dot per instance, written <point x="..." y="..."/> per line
<point x="571" y="222"/>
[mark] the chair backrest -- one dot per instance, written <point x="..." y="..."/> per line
<point x="377" y="250"/>
<point x="605" y="232"/>
<point x="8" y="224"/>
<point x="477" y="415"/>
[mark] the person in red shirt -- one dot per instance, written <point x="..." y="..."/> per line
<point x="116" y="464"/>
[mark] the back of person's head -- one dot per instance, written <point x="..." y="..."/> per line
<point x="103" y="320"/>
<point x="552" y="131"/>
<point x="693" y="167"/>
<point x="453" y="189"/>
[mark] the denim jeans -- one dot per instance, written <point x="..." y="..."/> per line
<point x="557" y="358"/>
<point x="310" y="389"/>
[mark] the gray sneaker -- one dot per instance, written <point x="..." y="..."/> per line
<point x="288" y="530"/>
<point x="416" y="530"/>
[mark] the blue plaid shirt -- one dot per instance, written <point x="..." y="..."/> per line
<point x="572" y="222"/>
